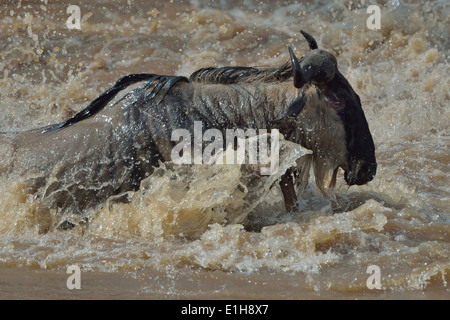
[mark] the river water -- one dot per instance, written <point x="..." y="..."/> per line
<point x="169" y="241"/>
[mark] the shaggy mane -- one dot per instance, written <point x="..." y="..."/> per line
<point x="233" y="75"/>
<point x="157" y="82"/>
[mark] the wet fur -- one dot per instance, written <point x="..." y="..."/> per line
<point x="123" y="155"/>
<point x="329" y="133"/>
<point x="327" y="138"/>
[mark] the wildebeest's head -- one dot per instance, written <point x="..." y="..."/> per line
<point x="320" y="68"/>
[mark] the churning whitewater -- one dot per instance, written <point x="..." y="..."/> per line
<point x="212" y="231"/>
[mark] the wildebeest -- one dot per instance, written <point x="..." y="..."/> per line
<point x="117" y="140"/>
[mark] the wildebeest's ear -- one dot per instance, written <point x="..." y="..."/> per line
<point x="291" y="112"/>
<point x="296" y="107"/>
<point x="282" y="124"/>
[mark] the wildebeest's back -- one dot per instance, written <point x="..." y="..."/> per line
<point x="217" y="106"/>
<point x="81" y="165"/>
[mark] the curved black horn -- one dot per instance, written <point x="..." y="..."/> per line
<point x="299" y="81"/>
<point x="316" y="65"/>
<point x="311" y="41"/>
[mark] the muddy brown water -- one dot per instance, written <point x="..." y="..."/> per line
<point x="161" y="246"/>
